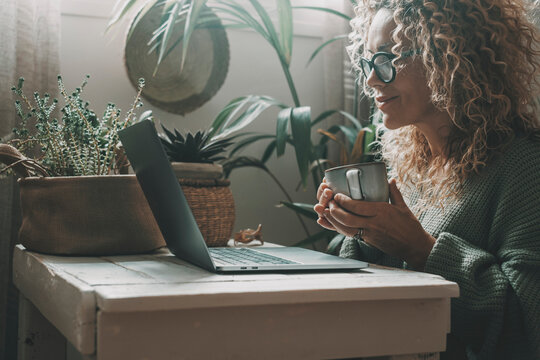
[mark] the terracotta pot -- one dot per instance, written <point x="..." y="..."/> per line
<point x="87" y="215"/>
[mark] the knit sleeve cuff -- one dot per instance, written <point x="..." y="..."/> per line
<point x="449" y="253"/>
<point x="355" y="248"/>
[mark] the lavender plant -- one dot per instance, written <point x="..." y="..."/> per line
<point x="80" y="143"/>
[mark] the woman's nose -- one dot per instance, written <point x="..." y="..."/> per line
<point x="373" y="80"/>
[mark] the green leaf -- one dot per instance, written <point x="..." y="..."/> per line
<point x="140" y="14"/>
<point x="301" y="134"/>
<point x="329" y="113"/>
<point x="169" y="134"/>
<point x="314" y="238"/>
<point x="268" y="151"/>
<point x="323" y="45"/>
<point x="168" y="31"/>
<point x="286" y="28"/>
<point x="248" y="141"/>
<point x="271" y="31"/>
<point x="302" y="209"/>
<point x="242" y="161"/>
<point x="233" y="117"/>
<point x="358" y="149"/>
<point x="369" y="137"/>
<point x="267" y="30"/>
<point x="327" y="10"/>
<point x="323" y="116"/>
<point x="157" y="34"/>
<point x="191" y="21"/>
<point x="352" y="119"/>
<point x="253" y="110"/>
<point x="122" y="10"/>
<point x="281" y="130"/>
<point x="177" y="11"/>
<point x="148" y="114"/>
<point x="207" y="20"/>
<point x="320" y="153"/>
<point x="259" y="105"/>
<point x="232" y="106"/>
<point x="244" y="16"/>
<point x="350" y="134"/>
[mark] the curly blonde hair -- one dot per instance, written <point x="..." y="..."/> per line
<point x="481" y="59"/>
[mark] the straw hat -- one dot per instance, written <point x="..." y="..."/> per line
<point x="204" y="71"/>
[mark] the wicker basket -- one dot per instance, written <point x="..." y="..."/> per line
<point x="212" y="204"/>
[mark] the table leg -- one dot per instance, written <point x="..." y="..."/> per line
<point x="38" y="338"/>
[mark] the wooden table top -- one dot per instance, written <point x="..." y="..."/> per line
<point x="61" y="286"/>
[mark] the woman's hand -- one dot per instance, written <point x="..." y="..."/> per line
<point x="390" y="227"/>
<point x="324" y="195"/>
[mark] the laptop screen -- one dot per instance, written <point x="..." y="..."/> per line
<point x="164" y="194"/>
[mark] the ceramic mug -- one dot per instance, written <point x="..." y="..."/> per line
<point x="363" y="181"/>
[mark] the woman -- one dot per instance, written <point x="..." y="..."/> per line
<point x="454" y="81"/>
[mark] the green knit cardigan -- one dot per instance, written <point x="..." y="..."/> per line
<point x="488" y="242"/>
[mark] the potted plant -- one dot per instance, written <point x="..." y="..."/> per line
<point x="74" y="198"/>
<point x="194" y="159"/>
<point x="295" y="123"/>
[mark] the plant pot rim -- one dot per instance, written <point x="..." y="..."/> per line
<point x="194" y="170"/>
<point x="181" y="163"/>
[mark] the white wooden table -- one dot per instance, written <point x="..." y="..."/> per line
<point x="159" y="307"/>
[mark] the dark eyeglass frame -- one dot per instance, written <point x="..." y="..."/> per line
<point x="390" y="56"/>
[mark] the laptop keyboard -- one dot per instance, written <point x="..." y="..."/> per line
<point x="244" y="256"/>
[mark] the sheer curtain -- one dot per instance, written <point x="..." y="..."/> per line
<point x="29" y="48"/>
<point x="334" y="55"/>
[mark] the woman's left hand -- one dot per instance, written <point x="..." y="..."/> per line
<point x="390" y="227"/>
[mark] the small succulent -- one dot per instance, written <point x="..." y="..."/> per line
<point x="198" y="147"/>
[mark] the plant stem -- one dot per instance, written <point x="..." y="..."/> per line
<point x="55" y="148"/>
<point x="77" y="152"/>
<point x="290" y="200"/>
<point x="88" y="127"/>
<point x="317" y="180"/>
<point x="290" y="81"/>
<point x="133" y="108"/>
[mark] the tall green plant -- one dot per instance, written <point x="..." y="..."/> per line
<point x="295" y="123"/>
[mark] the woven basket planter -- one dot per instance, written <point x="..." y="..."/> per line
<point x="87" y="215"/>
<point x="210" y="200"/>
<point x="81" y="215"/>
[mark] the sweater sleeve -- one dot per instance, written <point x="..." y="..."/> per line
<point x="356" y="248"/>
<point x="499" y="283"/>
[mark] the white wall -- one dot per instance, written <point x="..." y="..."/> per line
<point x="253" y="69"/>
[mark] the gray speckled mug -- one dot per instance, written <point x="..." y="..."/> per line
<point x="364" y="181"/>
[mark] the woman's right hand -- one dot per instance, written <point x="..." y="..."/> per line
<point x="324" y="195"/>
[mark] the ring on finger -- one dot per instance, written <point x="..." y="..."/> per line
<point x="360" y="232"/>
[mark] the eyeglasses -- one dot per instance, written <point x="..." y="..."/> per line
<point x="382" y="63"/>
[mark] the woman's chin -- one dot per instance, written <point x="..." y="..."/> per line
<point x="390" y="122"/>
<point x="395" y="121"/>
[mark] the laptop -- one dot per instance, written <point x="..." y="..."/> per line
<point x="180" y="230"/>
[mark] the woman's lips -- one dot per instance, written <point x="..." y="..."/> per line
<point x="384" y="101"/>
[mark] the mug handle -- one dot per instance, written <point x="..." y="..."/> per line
<point x="355" y="184"/>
